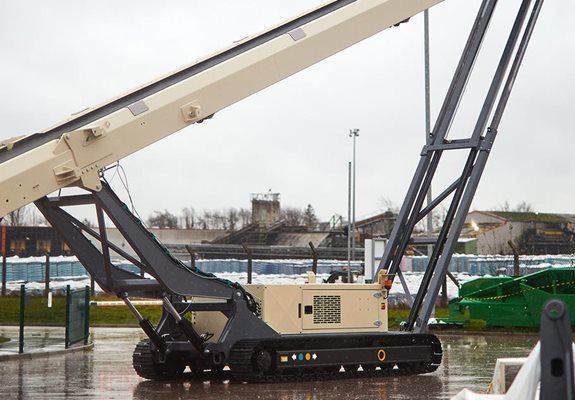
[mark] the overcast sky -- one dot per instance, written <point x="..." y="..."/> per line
<point x="292" y="138"/>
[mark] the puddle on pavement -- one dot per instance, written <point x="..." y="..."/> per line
<point x="106" y="373"/>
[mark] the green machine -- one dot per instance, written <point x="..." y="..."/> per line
<point x="513" y="301"/>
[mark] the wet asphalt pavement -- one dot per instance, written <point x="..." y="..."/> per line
<point x="106" y="373"/>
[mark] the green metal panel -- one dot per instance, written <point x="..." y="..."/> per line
<point x="513" y="302"/>
<point x="77" y="317"/>
<point x="477" y="287"/>
<point x="471" y="247"/>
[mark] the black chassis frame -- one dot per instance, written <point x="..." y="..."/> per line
<point x="174" y="340"/>
<point x="161" y="277"/>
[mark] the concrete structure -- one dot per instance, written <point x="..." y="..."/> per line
<point x="28" y="241"/>
<point x="169" y="237"/>
<point x="172" y="236"/>
<point x="266" y="208"/>
<point x="278" y="234"/>
<point x="531" y="233"/>
<point x="379" y="225"/>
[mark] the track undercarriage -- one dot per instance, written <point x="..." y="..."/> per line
<point x="303" y="358"/>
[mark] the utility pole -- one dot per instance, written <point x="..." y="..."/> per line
<point x="428" y="140"/>
<point x="353" y="133"/>
<point x="427" y="115"/>
<point x="349" y="221"/>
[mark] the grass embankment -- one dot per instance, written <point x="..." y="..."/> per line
<point x="38" y="313"/>
<point x="397" y="315"/>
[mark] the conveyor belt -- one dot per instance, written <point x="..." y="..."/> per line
<point x="37" y="139"/>
<point x="76" y="151"/>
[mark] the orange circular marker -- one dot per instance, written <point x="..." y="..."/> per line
<point x="381" y="355"/>
<point x="307" y="356"/>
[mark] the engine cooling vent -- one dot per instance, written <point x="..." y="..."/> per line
<point x="326" y="309"/>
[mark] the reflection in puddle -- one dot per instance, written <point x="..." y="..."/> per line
<point x="106" y="373"/>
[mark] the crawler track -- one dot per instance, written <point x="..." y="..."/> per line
<point x="379" y="355"/>
<point x="147" y="367"/>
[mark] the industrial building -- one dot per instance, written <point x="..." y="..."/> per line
<point x="530" y="232"/>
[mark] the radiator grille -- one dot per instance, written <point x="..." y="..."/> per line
<point x="326" y="309"/>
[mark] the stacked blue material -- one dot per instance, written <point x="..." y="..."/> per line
<point x="34" y="270"/>
<point x="494" y="265"/>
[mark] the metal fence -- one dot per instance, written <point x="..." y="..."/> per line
<point x="77" y="315"/>
<point x="45" y="269"/>
<point x="76" y="325"/>
<point x="493" y="265"/>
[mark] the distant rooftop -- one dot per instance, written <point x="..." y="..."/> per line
<point x="533" y="216"/>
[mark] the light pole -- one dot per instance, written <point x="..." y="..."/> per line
<point x="349" y="221"/>
<point x="427" y="114"/>
<point x="353" y="133"/>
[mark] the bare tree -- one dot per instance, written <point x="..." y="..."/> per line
<point x="387" y="204"/>
<point x="439" y="215"/>
<point x="245" y="216"/>
<point x="293" y="216"/>
<point x="27" y="215"/>
<point x="209" y="219"/>
<point x="35" y="218"/>
<point x="206" y="219"/>
<point x="189" y="218"/>
<point x="524" y="207"/>
<point x="164" y="219"/>
<point x="17" y="217"/>
<point x="505" y="207"/>
<point x="225" y="219"/>
<point x="309" y="218"/>
<point x="233" y="218"/>
<point x="218" y="220"/>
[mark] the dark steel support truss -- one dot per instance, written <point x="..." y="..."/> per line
<point x="478" y="147"/>
<point x="165" y="273"/>
<point x="162" y="276"/>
